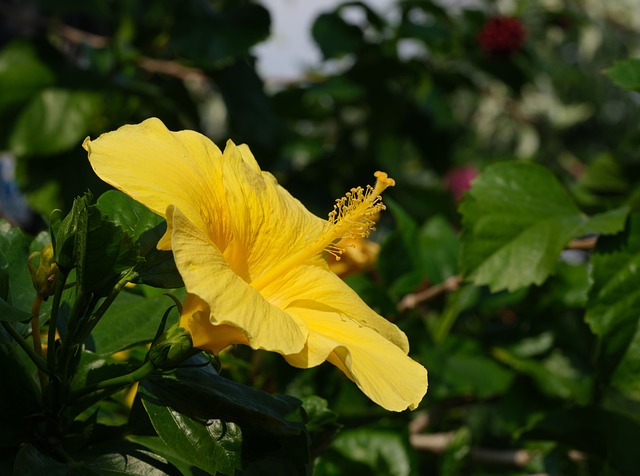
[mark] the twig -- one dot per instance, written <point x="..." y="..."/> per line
<point x="410" y="301"/>
<point x="585" y="244"/>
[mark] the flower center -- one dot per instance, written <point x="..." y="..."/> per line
<point x="353" y="216"/>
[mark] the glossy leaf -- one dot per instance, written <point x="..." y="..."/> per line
<point x="212" y="445"/>
<point x="132" y="319"/>
<point x="159" y="447"/>
<point x="133" y="217"/>
<point x="103" y="251"/>
<point x="158" y="267"/>
<point x="122" y="460"/>
<point x="203" y="394"/>
<point x="517" y="218"/>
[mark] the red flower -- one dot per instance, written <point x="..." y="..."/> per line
<point x="458" y="179"/>
<point x="501" y="36"/>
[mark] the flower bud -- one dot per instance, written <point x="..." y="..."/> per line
<point x="172" y="348"/>
<point x="44" y="277"/>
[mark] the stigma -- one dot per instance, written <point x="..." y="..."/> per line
<point x="355" y="214"/>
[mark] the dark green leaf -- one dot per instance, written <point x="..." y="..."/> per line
<point x="130" y="320"/>
<point x="206" y="34"/>
<point x="383" y="452"/>
<point x="159" y="447"/>
<point x="464" y="369"/>
<point x="625" y="73"/>
<point x="30" y="462"/>
<point x="94" y="368"/>
<point x="517" y="218"/>
<point x="54" y="121"/>
<point x="133" y="217"/>
<point x="213" y="446"/>
<point x="103" y="252"/>
<point x="456" y="452"/>
<point x="437" y="247"/>
<point x="203" y="394"/>
<point x="613" y="310"/>
<point x="21" y="398"/>
<point x="322" y="422"/>
<point x="118" y="459"/>
<point x="554" y="376"/>
<point x="64" y="230"/>
<point x="609" y="438"/>
<point x="22" y="73"/>
<point x="18" y="292"/>
<point x="158" y="270"/>
<point x="335" y="37"/>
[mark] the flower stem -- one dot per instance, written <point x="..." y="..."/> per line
<point x="36" y="358"/>
<point x="114" y="383"/>
<point x="35" y="335"/>
<point x="61" y="280"/>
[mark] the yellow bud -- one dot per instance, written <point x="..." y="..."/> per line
<point x="45" y="276"/>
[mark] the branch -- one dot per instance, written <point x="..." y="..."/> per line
<point x="585" y="244"/>
<point x="410" y="301"/>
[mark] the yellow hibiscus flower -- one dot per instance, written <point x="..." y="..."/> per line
<point x="252" y="257"/>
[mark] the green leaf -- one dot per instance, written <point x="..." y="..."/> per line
<point x="613" y="310"/>
<point x="21" y="397"/>
<point x="465" y="370"/>
<point x="382" y="452"/>
<point x="625" y="73"/>
<point x="93" y="368"/>
<point x="122" y="210"/>
<point x="22" y="73"/>
<point x="112" y="459"/>
<point x="335" y="37"/>
<point x="145" y="228"/>
<point x="203" y="394"/>
<point x="322" y="422"/>
<point x="103" y="252"/>
<point x="30" y="462"/>
<point x="437" y="247"/>
<point x="54" y="121"/>
<point x="159" y="447"/>
<point x="213" y="446"/>
<point x="554" y="376"/>
<point x="456" y="453"/>
<point x="18" y="292"/>
<point x="274" y="440"/>
<point x="207" y="34"/>
<point x="130" y="320"/>
<point x="607" y="437"/>
<point x="517" y="218"/>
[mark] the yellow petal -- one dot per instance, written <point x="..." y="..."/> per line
<point x="313" y="285"/>
<point x="381" y="370"/>
<point x="159" y="168"/>
<point x="251" y="219"/>
<point x="231" y="300"/>
<point x="267" y="223"/>
<point x="196" y="317"/>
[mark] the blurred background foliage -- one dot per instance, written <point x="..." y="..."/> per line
<point x="430" y="93"/>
